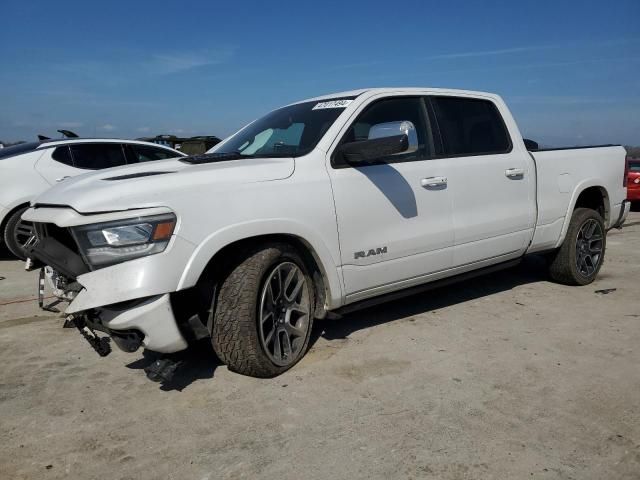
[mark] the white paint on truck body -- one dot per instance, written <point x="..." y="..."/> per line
<point x="483" y="210"/>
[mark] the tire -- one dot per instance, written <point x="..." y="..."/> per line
<point x="578" y="260"/>
<point x="245" y="312"/>
<point x="16" y="232"/>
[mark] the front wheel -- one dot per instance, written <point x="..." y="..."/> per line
<point x="264" y="312"/>
<point x="578" y="260"/>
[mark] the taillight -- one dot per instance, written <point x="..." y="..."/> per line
<point x="626" y="172"/>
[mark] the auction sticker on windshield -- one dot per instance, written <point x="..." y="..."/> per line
<point x="332" y="104"/>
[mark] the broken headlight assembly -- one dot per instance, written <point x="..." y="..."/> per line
<point x="104" y="244"/>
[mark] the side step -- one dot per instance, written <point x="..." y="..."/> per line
<point x="371" y="302"/>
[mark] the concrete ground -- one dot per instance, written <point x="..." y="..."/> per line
<point x="507" y="376"/>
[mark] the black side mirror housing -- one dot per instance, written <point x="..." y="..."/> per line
<point x="367" y="151"/>
<point x="530" y="144"/>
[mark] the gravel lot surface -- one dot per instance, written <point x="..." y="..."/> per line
<point x="508" y="376"/>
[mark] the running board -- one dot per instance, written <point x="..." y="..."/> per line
<point x="387" y="297"/>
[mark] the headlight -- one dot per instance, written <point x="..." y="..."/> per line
<point x="104" y="244"/>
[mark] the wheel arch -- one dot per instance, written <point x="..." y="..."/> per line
<point x="219" y="247"/>
<point x="588" y="194"/>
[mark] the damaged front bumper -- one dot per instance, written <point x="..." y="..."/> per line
<point x="129" y="301"/>
<point x="147" y="322"/>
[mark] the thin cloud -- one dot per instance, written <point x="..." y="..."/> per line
<point x="108" y="128"/>
<point x="562" y="100"/>
<point x="119" y="71"/>
<point x="531" y="48"/>
<point x="71" y="124"/>
<point x="527" y="66"/>
<point x="167" y="63"/>
<point x="495" y="52"/>
<point x="489" y="53"/>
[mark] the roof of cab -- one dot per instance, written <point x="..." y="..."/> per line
<point x="408" y="90"/>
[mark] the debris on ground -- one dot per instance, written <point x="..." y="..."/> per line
<point x="604" y="291"/>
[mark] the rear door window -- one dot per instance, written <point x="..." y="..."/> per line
<point x="469" y="126"/>
<point x="96" y="156"/>
<point x="145" y="153"/>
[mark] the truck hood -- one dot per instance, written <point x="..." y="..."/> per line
<point x="157" y="183"/>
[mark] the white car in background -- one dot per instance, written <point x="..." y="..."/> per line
<point x="28" y="169"/>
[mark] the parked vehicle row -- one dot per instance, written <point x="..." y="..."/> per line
<point x="28" y="169"/>
<point x="318" y="208"/>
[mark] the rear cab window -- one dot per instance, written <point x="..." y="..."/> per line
<point x="468" y="126"/>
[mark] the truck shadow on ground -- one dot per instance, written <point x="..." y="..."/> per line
<point x="533" y="269"/>
<point x="5" y="254"/>
<point x="199" y="362"/>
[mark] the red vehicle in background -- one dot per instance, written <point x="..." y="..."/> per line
<point x="633" y="179"/>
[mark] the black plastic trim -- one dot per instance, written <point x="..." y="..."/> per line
<point x="51" y="252"/>
<point x="370" y="302"/>
<point x="136" y="175"/>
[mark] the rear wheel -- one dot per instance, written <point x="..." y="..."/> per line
<point x="264" y="312"/>
<point x="17" y="232"/>
<point x="580" y="257"/>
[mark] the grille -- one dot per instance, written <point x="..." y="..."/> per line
<point x="57" y="248"/>
<point x="62" y="235"/>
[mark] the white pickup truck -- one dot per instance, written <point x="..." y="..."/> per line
<point x="317" y="208"/>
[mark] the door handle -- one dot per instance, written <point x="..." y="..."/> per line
<point x="62" y="178"/>
<point x="434" y="182"/>
<point x="514" y="172"/>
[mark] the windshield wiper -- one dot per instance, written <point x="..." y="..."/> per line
<point x="214" y="157"/>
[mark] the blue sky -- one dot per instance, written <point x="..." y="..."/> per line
<point x="569" y="70"/>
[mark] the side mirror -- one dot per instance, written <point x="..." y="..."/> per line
<point x="530" y="144"/>
<point x="383" y="140"/>
<point x="389" y="129"/>
<point x="370" y="150"/>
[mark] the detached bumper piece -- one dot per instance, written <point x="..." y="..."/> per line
<point x="99" y="344"/>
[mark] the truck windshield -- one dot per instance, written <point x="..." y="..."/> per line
<point x="291" y="131"/>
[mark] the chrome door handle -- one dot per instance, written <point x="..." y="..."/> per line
<point x="433" y="182"/>
<point x="62" y="178"/>
<point x="514" y="172"/>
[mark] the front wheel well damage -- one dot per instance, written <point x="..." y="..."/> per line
<point x="192" y="307"/>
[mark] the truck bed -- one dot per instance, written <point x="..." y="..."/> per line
<point x="562" y="174"/>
